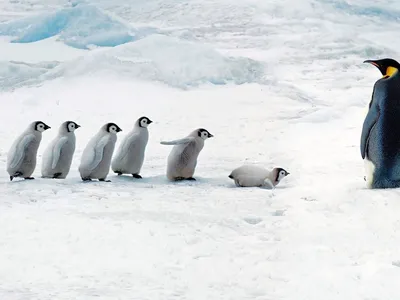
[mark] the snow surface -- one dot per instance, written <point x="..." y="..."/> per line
<point x="278" y="83"/>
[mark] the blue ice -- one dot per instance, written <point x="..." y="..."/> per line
<point x="79" y="26"/>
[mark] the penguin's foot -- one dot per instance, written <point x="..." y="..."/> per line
<point x="56" y="175"/>
<point x="118" y="173"/>
<point x="87" y="179"/>
<point x="104" y="180"/>
<point x="16" y="174"/>
<point x="183" y="178"/>
<point x="137" y="176"/>
<point x="29" y="178"/>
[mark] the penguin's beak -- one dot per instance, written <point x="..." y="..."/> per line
<point x="149" y="121"/>
<point x="372" y="62"/>
<point x="119" y="129"/>
<point x="46" y="127"/>
<point x="77" y="126"/>
<point x="287" y="173"/>
<point x="382" y="69"/>
<point x="210" y="135"/>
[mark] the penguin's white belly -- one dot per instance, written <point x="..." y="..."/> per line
<point x="135" y="161"/>
<point x="369" y="171"/>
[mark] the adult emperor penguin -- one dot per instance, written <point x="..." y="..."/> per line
<point x="182" y="160"/>
<point x="57" y="157"/>
<point x="130" y="155"/>
<point x="256" y="176"/>
<point x="380" y="137"/>
<point x="96" y="157"/>
<point x="21" y="159"/>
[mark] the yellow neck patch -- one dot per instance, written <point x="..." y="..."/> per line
<point x="390" y="71"/>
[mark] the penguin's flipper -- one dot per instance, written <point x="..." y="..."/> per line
<point x="267" y="184"/>
<point x="185" y="140"/>
<point x="20" y="150"/>
<point x="57" y="151"/>
<point x="369" y="122"/>
<point x="98" y="152"/>
<point x="128" y="145"/>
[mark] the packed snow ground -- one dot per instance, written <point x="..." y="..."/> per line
<point x="279" y="84"/>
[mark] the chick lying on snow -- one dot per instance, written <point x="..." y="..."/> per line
<point x="256" y="176"/>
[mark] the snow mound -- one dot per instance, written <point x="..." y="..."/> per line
<point x="80" y="26"/>
<point x="169" y="60"/>
<point x="15" y="74"/>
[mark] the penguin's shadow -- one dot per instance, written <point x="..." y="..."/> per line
<point x="162" y="180"/>
<point x="157" y="179"/>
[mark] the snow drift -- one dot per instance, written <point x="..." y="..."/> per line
<point x="14" y="74"/>
<point x="79" y="26"/>
<point x="177" y="63"/>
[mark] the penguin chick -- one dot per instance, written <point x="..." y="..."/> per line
<point x="21" y="159"/>
<point x="96" y="157"/>
<point x="256" y="176"/>
<point x="130" y="155"/>
<point x="57" y="157"/>
<point x="182" y="160"/>
<point x="379" y="143"/>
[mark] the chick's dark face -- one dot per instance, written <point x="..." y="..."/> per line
<point x="204" y="134"/>
<point x="386" y="66"/>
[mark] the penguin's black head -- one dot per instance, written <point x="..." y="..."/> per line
<point x="280" y="174"/>
<point x="204" y="134"/>
<point x="71" y="126"/>
<point x="144" y="122"/>
<point x="113" y="128"/>
<point x="41" y="126"/>
<point x="387" y="66"/>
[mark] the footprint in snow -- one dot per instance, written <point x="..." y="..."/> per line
<point x="252" y="220"/>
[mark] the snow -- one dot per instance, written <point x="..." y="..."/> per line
<point x="278" y="84"/>
<point x="189" y="64"/>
